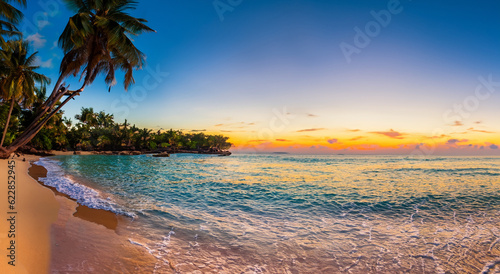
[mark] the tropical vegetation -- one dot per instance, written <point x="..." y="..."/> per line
<point x="97" y="131"/>
<point x="96" y="40"/>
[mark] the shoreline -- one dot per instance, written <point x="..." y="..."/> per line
<point x="156" y="153"/>
<point x="36" y="210"/>
<point x="60" y="235"/>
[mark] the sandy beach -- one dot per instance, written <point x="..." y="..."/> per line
<point x="54" y="234"/>
<point x="36" y="210"/>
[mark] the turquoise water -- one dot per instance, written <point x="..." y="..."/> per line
<point x="298" y="214"/>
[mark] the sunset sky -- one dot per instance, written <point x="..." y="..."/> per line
<point x="326" y="77"/>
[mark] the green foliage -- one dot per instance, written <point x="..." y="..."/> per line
<point x="99" y="131"/>
<point x="98" y="40"/>
<point x="152" y="145"/>
<point x="9" y="17"/>
<point x="18" y="79"/>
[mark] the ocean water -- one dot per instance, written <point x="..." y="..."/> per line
<point x="296" y="213"/>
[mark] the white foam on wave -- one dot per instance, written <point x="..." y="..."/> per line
<point x="84" y="195"/>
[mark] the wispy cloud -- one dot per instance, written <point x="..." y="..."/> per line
<point x="37" y="40"/>
<point x="198" y="130"/>
<point x="479" y="130"/>
<point x="310" y="129"/>
<point x="310" y="115"/>
<point x="332" y="141"/>
<point x="458" y="124"/>
<point x="42" y="24"/>
<point x="455" y="141"/>
<point x="390" y="134"/>
<point x="282" y="140"/>
<point x="237" y="125"/>
<point x="353" y="130"/>
<point x="44" y="64"/>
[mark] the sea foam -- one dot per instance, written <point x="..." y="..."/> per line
<point x="84" y="195"/>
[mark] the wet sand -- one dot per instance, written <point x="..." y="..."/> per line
<point x="36" y="209"/>
<point x="57" y="235"/>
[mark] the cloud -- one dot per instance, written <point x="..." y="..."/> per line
<point x="458" y="124"/>
<point x="198" y="130"/>
<point x="353" y="130"/>
<point x="440" y="136"/>
<point x="332" y="141"/>
<point x="257" y="141"/>
<point x="37" y="40"/>
<point x="478" y="122"/>
<point x="54" y="45"/>
<point x="311" y="115"/>
<point x="356" y="138"/>
<point x="455" y="141"/>
<point x="44" y="64"/>
<point x="237" y="125"/>
<point x="479" y="130"/>
<point x="390" y="134"/>
<point x="282" y="140"/>
<point x="493" y="146"/>
<point x="42" y="24"/>
<point x="310" y="129"/>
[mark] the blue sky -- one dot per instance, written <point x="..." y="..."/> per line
<point x="231" y="65"/>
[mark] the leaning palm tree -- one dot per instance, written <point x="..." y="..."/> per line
<point x="96" y="40"/>
<point x="9" y="17"/>
<point x="19" y="82"/>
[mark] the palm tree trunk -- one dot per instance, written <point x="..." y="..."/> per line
<point x="35" y="127"/>
<point x="8" y="121"/>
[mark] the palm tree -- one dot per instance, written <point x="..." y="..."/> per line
<point x="125" y="134"/>
<point x="9" y="17"/>
<point x="87" y="117"/>
<point x="19" y="81"/>
<point x="96" y="40"/>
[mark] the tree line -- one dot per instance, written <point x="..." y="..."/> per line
<point x="99" y="131"/>
<point x="97" y="40"/>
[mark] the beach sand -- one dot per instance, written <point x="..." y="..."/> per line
<point x="57" y="235"/>
<point x="36" y="209"/>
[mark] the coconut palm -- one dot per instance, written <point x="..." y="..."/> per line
<point x="96" y="40"/>
<point x="9" y="17"/>
<point x="19" y="80"/>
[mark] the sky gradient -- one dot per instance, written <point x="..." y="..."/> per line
<point x="421" y="76"/>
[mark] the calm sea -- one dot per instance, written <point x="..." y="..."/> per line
<point x="296" y="213"/>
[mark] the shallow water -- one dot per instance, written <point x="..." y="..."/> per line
<point x="298" y="214"/>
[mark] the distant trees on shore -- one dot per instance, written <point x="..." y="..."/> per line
<point x="99" y="131"/>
